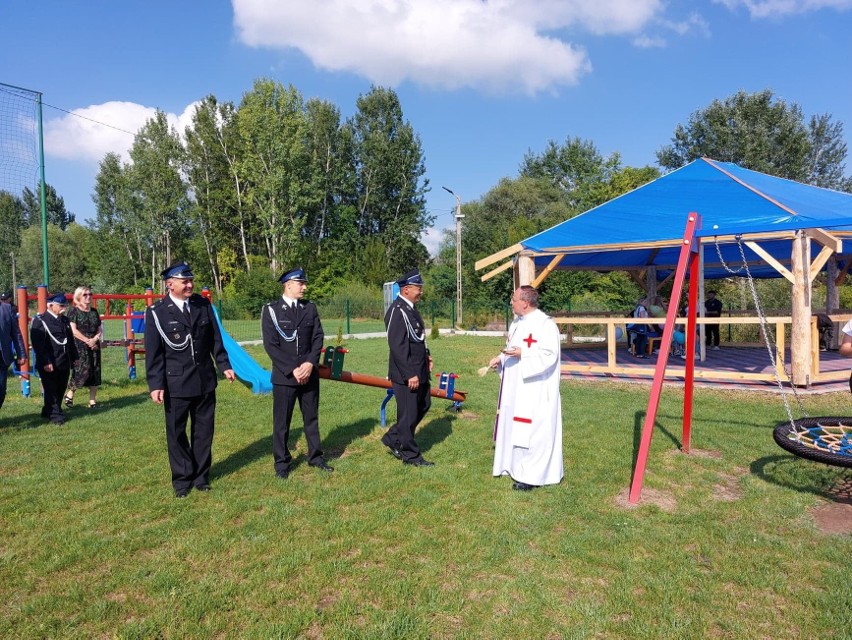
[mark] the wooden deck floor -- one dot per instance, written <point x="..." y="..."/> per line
<point x="733" y="360"/>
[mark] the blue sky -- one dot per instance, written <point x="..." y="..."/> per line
<point x="481" y="82"/>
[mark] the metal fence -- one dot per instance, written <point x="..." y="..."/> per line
<point x="357" y="317"/>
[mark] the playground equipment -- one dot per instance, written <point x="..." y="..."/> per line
<point x="332" y="369"/>
<point x="133" y="323"/>
<point x="245" y="367"/>
<point x="826" y="440"/>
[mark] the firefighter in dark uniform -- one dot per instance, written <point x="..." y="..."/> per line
<point x="53" y="344"/>
<point x="409" y="365"/>
<point x="293" y="338"/>
<point x="182" y="341"/>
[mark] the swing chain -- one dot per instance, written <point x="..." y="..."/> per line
<point x="764" y="330"/>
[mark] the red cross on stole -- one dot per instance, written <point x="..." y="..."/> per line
<point x="529" y="340"/>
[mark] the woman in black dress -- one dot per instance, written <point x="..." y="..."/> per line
<point x="86" y="327"/>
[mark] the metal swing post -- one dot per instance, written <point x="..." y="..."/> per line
<point x="688" y="249"/>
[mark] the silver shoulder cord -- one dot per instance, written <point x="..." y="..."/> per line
<point x="293" y="336"/>
<point x="187" y="342"/>
<point x="411" y="331"/>
<point x="52" y="337"/>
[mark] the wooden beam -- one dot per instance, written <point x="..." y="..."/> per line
<point x="497" y="257"/>
<point x="819" y="262"/>
<point x="667" y="278"/>
<point x="652" y="257"/>
<point x="546" y="272"/>
<point x="503" y="267"/>
<point x="826" y="239"/>
<point x="638" y="277"/>
<point x="780" y="268"/>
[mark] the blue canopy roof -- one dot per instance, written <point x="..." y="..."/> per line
<point x="645" y="226"/>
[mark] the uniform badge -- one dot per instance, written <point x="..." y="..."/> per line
<point x="177" y="336"/>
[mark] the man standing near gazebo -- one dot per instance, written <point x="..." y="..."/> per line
<point x="528" y="429"/>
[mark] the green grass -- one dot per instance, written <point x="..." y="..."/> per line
<point x="94" y="544"/>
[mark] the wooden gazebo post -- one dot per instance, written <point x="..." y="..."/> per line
<point x="524" y="269"/>
<point x="800" y="302"/>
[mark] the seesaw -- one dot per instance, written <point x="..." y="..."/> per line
<point x="331" y="368"/>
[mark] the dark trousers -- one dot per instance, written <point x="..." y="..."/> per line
<point x="190" y="458"/>
<point x="640" y="342"/>
<point x="53" y="387"/>
<point x="4" y="374"/>
<point x="712" y="335"/>
<point x="283" y="402"/>
<point x="411" y="406"/>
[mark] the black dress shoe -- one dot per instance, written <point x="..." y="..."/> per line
<point x="203" y="487"/>
<point x="394" y="452"/>
<point x="283" y="475"/>
<point x="181" y="493"/>
<point x="522" y="486"/>
<point x="323" y="466"/>
<point x="419" y="462"/>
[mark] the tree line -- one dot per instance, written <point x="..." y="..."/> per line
<point x="278" y="180"/>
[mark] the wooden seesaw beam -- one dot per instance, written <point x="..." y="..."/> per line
<point x="383" y="383"/>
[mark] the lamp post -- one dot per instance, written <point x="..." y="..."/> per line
<point x="459" y="217"/>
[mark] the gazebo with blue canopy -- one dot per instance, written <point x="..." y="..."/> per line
<point x="684" y="222"/>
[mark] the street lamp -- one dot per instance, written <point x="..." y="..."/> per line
<point x="459" y="217"/>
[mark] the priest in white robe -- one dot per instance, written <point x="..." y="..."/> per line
<point x="528" y="428"/>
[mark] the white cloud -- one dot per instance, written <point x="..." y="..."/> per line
<point x="89" y="133"/>
<point x="779" y="8"/>
<point x="649" y="42"/>
<point x="495" y="45"/>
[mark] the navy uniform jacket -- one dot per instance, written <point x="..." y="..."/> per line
<point x="287" y="354"/>
<point x="406" y="340"/>
<point x="184" y="372"/>
<point x="713" y="308"/>
<point x="61" y="356"/>
<point x="11" y="340"/>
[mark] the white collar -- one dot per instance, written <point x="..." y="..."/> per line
<point x="289" y="301"/>
<point x="178" y="303"/>
<point x="51" y="313"/>
<point x="407" y="301"/>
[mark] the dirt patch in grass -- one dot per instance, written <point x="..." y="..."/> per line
<point x="836" y="517"/>
<point x="705" y="453"/>
<point x="464" y="414"/>
<point x="728" y="488"/>
<point x="661" y="499"/>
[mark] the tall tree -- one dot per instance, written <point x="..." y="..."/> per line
<point x="123" y="253"/>
<point x="209" y="179"/>
<point x="239" y="224"/>
<point x="390" y="188"/>
<point x="68" y="257"/>
<point x="157" y="184"/>
<point x="329" y="151"/>
<point x="54" y="207"/>
<point x="764" y="133"/>
<point x="11" y="223"/>
<point x="827" y="153"/>
<point x="275" y="165"/>
<point x="576" y="168"/>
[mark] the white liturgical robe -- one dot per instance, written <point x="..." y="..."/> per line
<point x="528" y="429"/>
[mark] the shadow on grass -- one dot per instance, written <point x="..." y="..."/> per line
<point x="805" y="476"/>
<point x="255" y="451"/>
<point x="638" y="424"/>
<point x="19" y="423"/>
<point x="435" y="432"/>
<point x="341" y="437"/>
<point x="79" y="411"/>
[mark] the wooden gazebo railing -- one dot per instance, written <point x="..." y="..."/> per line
<point x="780" y="323"/>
